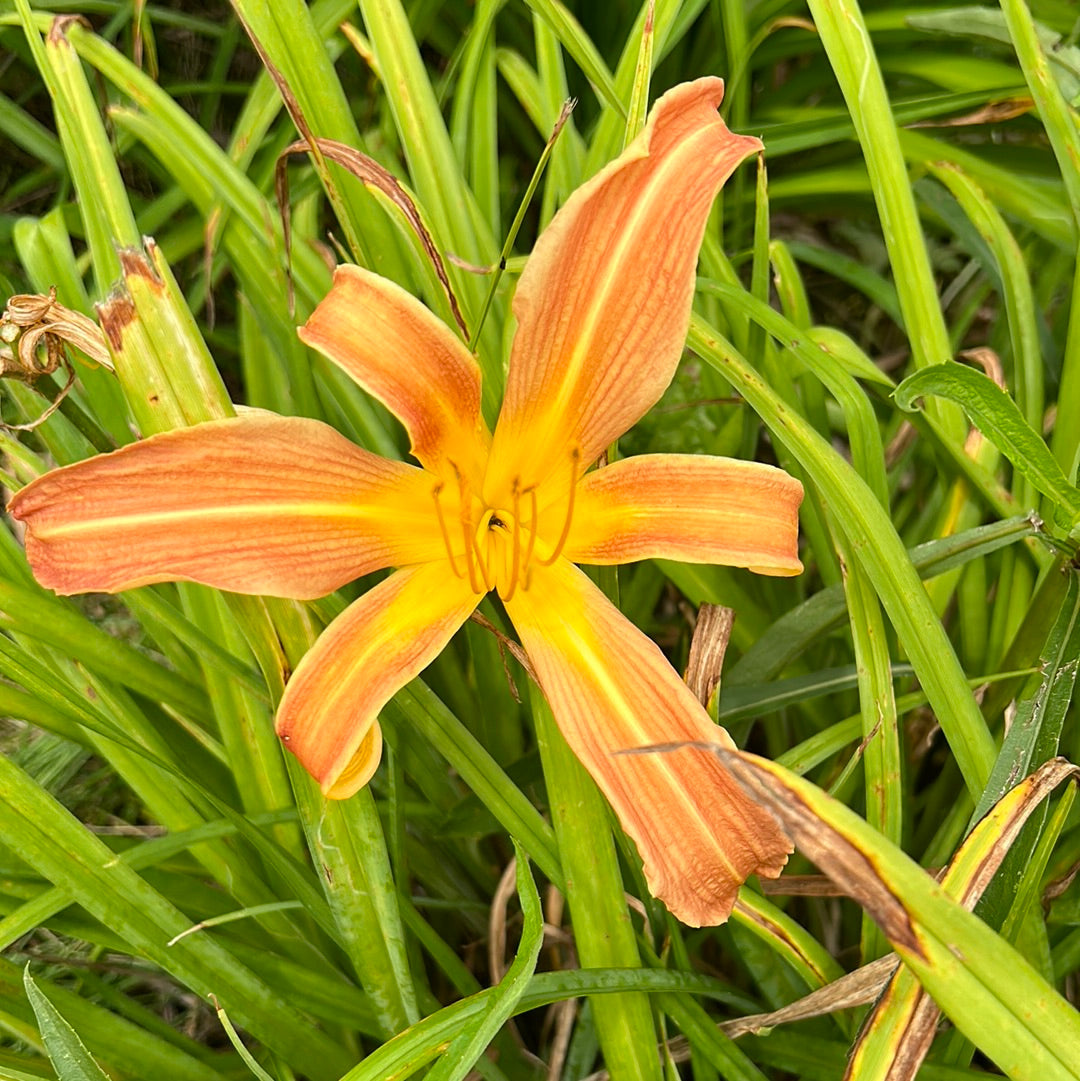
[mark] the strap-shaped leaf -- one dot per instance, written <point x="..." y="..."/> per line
<point x="996" y="415"/>
<point x="67" y="1052"/>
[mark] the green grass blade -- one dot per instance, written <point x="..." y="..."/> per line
<point x="869" y="530"/>
<point x="67" y="1052"/>
<point x="1022" y="1024"/>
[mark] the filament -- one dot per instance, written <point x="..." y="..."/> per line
<point x="515" y="551"/>
<point x="466" y="532"/>
<point x="445" y="532"/>
<point x="482" y="540"/>
<point x="564" y="536"/>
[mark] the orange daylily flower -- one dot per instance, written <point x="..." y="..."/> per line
<point x="287" y="506"/>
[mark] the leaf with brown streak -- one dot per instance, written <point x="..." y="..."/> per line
<point x="897" y="1036"/>
<point x="1021" y="1023"/>
<point x="370" y="173"/>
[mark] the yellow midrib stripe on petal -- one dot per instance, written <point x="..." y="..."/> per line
<point x="584" y="648"/>
<point x="643" y="210"/>
<point x="327" y="512"/>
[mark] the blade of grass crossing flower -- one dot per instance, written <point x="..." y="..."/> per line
<point x="1023" y="1024"/>
<point x="897" y="1036"/>
<point x="102" y="198"/>
<point x="470" y="1043"/>
<point x="568" y="155"/>
<point x="847" y="42"/>
<point x="608" y="134"/>
<point x="62" y="850"/>
<point x="603" y="932"/>
<point x="871" y="533"/>
<point x="519" y="217"/>
<point x="67" y="1052"/>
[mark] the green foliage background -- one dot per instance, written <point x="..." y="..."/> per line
<point x="922" y="201"/>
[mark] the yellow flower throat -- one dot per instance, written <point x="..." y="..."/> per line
<point x="495" y="544"/>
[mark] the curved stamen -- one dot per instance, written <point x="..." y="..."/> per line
<point x="467" y="532"/>
<point x="435" y="493"/>
<point x="564" y="536"/>
<point x="487" y="558"/>
<point x="534" y="525"/>
<point x="515" y="549"/>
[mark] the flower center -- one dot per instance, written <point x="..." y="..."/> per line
<point x="496" y="546"/>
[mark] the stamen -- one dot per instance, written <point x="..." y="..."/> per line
<point x="515" y="549"/>
<point x="466" y="532"/>
<point x="533" y="527"/>
<point x="436" y="491"/>
<point x="487" y="564"/>
<point x="575" y="456"/>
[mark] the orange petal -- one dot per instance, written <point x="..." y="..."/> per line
<point x="255" y="504"/>
<point x="689" y="507"/>
<point x="610" y="688"/>
<point x="327" y="716"/>
<point x="397" y="350"/>
<point x="603" y="304"/>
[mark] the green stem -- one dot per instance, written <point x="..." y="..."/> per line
<point x="603" y="933"/>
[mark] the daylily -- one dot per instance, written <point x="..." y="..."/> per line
<point x="287" y="506"/>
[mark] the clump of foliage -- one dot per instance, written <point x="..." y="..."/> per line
<point x="889" y="309"/>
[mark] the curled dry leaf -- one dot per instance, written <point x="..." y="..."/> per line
<point x="34" y="331"/>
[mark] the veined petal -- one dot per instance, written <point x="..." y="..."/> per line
<point x="610" y="689"/>
<point x="327" y="716"/>
<point x="255" y="504"/>
<point x="690" y="507"/>
<point x="603" y="304"/>
<point x="405" y="356"/>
